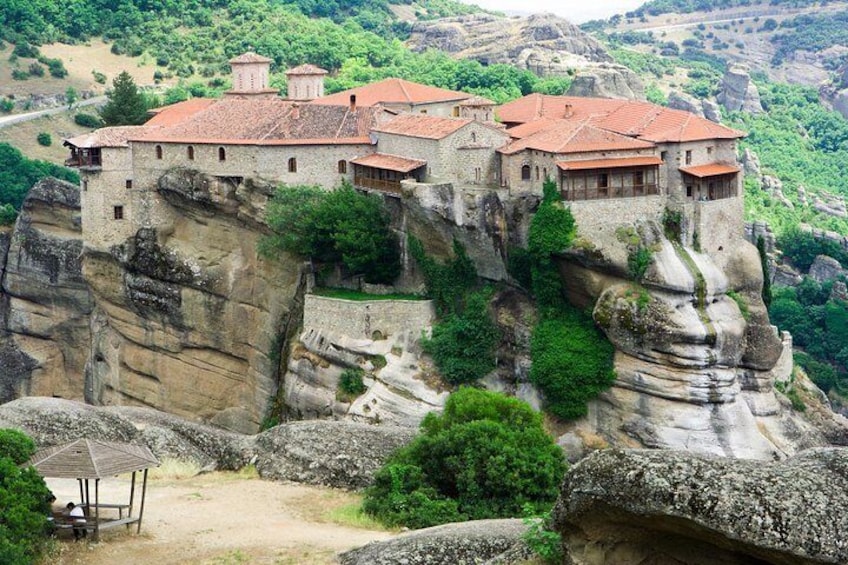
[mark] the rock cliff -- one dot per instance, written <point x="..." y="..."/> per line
<point x="188" y="317"/>
<point x="542" y="43"/>
<point x="45" y="302"/>
<point x="632" y="506"/>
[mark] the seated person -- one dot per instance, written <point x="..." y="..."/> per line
<point x="77" y="514"/>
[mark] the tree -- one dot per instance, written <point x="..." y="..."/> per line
<point x="71" y="97"/>
<point x="126" y="106"/>
<point x="24" y="500"/>
<point x="486" y="456"/>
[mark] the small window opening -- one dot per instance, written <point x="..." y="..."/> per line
<point x="689" y="157"/>
<point x="342" y="167"/>
<point x="118" y="212"/>
<point x="158" y="151"/>
<point x="292" y="165"/>
<point x="190" y="153"/>
<point x="129" y="183"/>
<point x="525" y="172"/>
<point x="222" y="154"/>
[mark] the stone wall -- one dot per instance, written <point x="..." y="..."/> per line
<point x="597" y="220"/>
<point x="720" y="225"/>
<point x="361" y="319"/>
<point x="703" y="152"/>
<point x="100" y="192"/>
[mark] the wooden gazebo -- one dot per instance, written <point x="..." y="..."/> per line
<point x="87" y="459"/>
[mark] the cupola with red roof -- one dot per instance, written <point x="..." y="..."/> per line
<point x="250" y="76"/>
<point x="305" y="82"/>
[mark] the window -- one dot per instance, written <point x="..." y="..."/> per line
<point x="222" y="154"/>
<point x="688" y="191"/>
<point x="190" y="152"/>
<point x="118" y="212"/>
<point x="663" y="155"/>
<point x="84" y="184"/>
<point x="525" y="172"/>
<point x="710" y="150"/>
<point x="129" y="183"/>
<point x="638" y="178"/>
<point x="545" y="173"/>
<point x="342" y="167"/>
<point x="158" y="151"/>
<point x="456" y="112"/>
<point x="292" y="165"/>
<point x="537" y="172"/>
<point x="603" y="180"/>
<point x="689" y="157"/>
<point x="423" y="111"/>
<point x="473" y="137"/>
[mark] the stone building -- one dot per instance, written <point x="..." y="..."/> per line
<point x="402" y="96"/>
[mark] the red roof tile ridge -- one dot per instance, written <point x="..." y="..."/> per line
<point x="404" y="90"/>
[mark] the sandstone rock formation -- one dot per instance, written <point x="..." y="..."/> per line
<point x="692" y="370"/>
<point x="543" y="43"/>
<point x="825" y="269"/>
<point x="705" y="108"/>
<point x="189" y="317"/>
<point x="338" y="454"/>
<point x="738" y="91"/>
<point x="44" y="300"/>
<point x="607" y="81"/>
<point x="467" y="543"/>
<point x="633" y="506"/>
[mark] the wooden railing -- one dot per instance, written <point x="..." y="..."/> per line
<point x="392" y="186"/>
<point x="610" y="192"/>
<point x="82" y="161"/>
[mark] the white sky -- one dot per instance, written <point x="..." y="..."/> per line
<point x="575" y="11"/>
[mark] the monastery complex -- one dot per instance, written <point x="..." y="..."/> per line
<point x="608" y="157"/>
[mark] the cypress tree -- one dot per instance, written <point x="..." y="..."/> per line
<point x="126" y="106"/>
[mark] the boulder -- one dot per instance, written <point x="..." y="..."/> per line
<point x="467" y="543"/>
<point x="607" y="81"/>
<point x="825" y="269"/>
<point x="738" y="91"/>
<point x="711" y="110"/>
<point x="337" y="454"/>
<point x="635" y="506"/>
<point x="685" y="102"/>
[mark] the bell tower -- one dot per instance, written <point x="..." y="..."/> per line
<point x="250" y="75"/>
<point x="305" y="82"/>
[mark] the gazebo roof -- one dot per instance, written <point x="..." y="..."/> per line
<point x="92" y="459"/>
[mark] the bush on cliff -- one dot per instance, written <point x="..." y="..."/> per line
<point x="18" y="174"/>
<point x="338" y="226"/>
<point x="23" y="500"/>
<point x="486" y="456"/>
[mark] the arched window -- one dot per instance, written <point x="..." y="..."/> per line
<point x="342" y="167"/>
<point x="473" y="137"/>
<point x="525" y="172"/>
<point x="158" y="151"/>
<point x="545" y="173"/>
<point x="190" y="152"/>
<point x="222" y="154"/>
<point x="537" y="172"/>
<point x="292" y="165"/>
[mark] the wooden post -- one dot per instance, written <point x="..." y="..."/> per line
<point x="87" y="498"/>
<point x="141" y="508"/>
<point x="132" y="495"/>
<point x="82" y="495"/>
<point x="96" y="509"/>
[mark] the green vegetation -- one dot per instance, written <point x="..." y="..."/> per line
<point x="463" y="343"/>
<point x="572" y="359"/>
<point x="659" y="7"/>
<point x="44" y="139"/>
<point x="126" y="106"/>
<point x="810" y="32"/>
<point x="359" y="296"/>
<point x="338" y="226"/>
<point x="351" y="385"/>
<point x="447" y="283"/>
<point x="819" y="326"/>
<point x="18" y="174"/>
<point x="87" y="120"/>
<point x="542" y="538"/>
<point x="24" y="500"/>
<point x="741" y="303"/>
<point x="486" y="456"/>
<point x="802" y="247"/>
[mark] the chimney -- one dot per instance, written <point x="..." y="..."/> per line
<point x="353" y="102"/>
<point x="295" y="111"/>
<point x="569" y="111"/>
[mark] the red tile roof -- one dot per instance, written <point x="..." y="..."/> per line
<point x="389" y="162"/>
<point x="306" y="70"/>
<point x="710" y="170"/>
<point x="393" y="91"/>
<point x="422" y="125"/>
<point x="608" y="163"/>
<point x="116" y="136"/>
<point x="269" y="121"/>
<point x="564" y="136"/>
<point x="176" y="113"/>
<point x="627" y="117"/>
<point x="477" y="101"/>
<point x="250" y="57"/>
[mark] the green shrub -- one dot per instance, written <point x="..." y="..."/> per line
<point x="520" y="266"/>
<point x="35" y="70"/>
<point x="19" y="74"/>
<point x="463" y="344"/>
<point x="487" y="456"/>
<point x="87" y="120"/>
<point x="741" y="303"/>
<point x="16" y="445"/>
<point x="99" y="77"/>
<point x="351" y="384"/>
<point x="447" y="283"/>
<point x="572" y="362"/>
<point x="638" y="262"/>
<point x="44" y="139"/>
<point x="24" y="502"/>
<point x="541" y="538"/>
<point x="24" y="49"/>
<point x="339" y="226"/>
<point x="673" y="224"/>
<point x="7" y="105"/>
<point x="8" y="214"/>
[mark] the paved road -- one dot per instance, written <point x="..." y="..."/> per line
<point x="18" y="118"/>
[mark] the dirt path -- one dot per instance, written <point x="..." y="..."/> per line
<point x="219" y="519"/>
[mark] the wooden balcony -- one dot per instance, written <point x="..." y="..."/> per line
<point x="603" y="193"/>
<point x="392" y="186"/>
